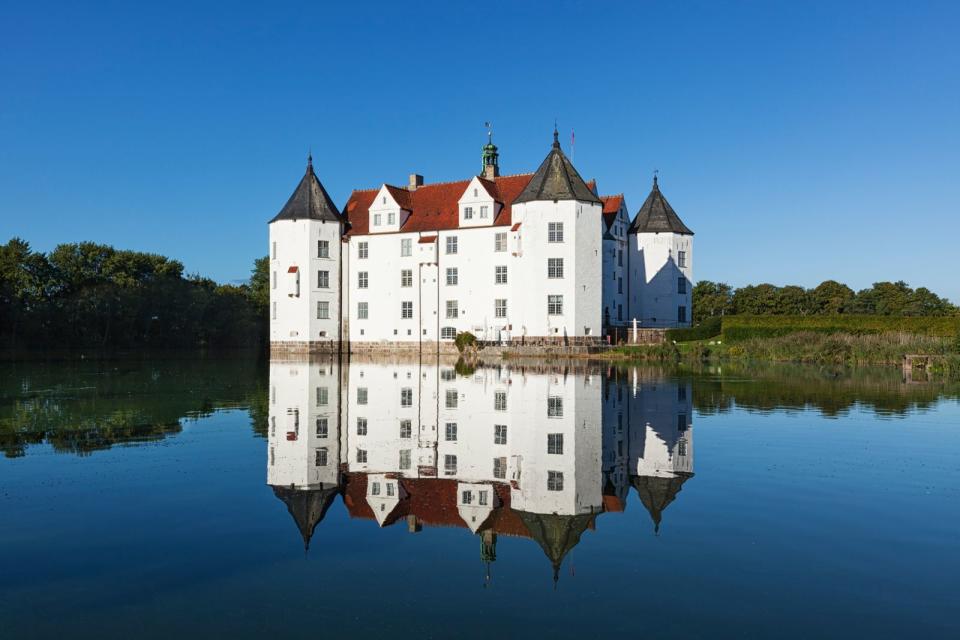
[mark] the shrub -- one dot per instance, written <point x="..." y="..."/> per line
<point x="739" y="328"/>
<point x="465" y="339"/>
<point x="463" y="368"/>
<point x="700" y="352"/>
<point x="709" y="328"/>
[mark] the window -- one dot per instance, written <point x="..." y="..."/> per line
<point x="555" y="407"/>
<point x="274" y="310"/>
<point x="620" y="312"/>
<point x="363" y="279"/>
<point x="448" y="333"/>
<point x="361" y="455"/>
<point x="363" y="250"/>
<point x="273" y="250"/>
<point x="482" y="498"/>
<point x="466" y="497"/>
<point x="451" y="244"/>
<point x="681" y="393"/>
<point x="406" y="247"/>
<point x="500" y="468"/>
<point x="374" y="488"/>
<point x="449" y="465"/>
<point x="274" y="283"/>
<point x="406" y="429"/>
<point x="452" y="311"/>
<point x="554" y="267"/>
<point x="681" y="314"/>
<point x="500" y="308"/>
<point x="323" y="248"/>
<point x="323" y="310"/>
<point x="406" y="277"/>
<point x="451" y="399"/>
<point x="320" y="458"/>
<point x="500" y="241"/>
<point x="406" y="397"/>
<point x="404" y="459"/>
<point x="681" y="285"/>
<point x="500" y="401"/>
<point x="361" y="426"/>
<point x="322" y="396"/>
<point x="467" y="214"/>
<point x="619" y="257"/>
<point x="362" y="395"/>
<point x="377" y="218"/>
<point x="681" y="422"/>
<point x="555" y="443"/>
<point x="554" y="481"/>
<point x="682" y="447"/>
<point x="322" y="428"/>
<point x="681" y="259"/>
<point x="555" y="305"/>
<point x="620" y="285"/>
<point x="450" y="434"/>
<point x="391" y="218"/>
<point x="391" y="488"/>
<point x="406" y="310"/>
<point x="484" y="212"/>
<point x="323" y="279"/>
<point x="555" y="232"/>
<point x="500" y="275"/>
<point x="363" y="311"/>
<point x="499" y="434"/>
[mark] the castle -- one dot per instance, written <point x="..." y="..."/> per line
<point x="529" y="258"/>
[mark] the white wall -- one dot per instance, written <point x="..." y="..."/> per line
<point x="654" y="275"/>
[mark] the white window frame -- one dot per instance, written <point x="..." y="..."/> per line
<point x="500" y="308"/>
<point x="554" y="232"/>
<point x="363" y="250"/>
<point x="452" y="245"/>
<point x="406" y="310"/>
<point x="406" y="247"/>
<point x="363" y="311"/>
<point x="363" y="279"/>
<point x="452" y="309"/>
<point x="500" y="241"/>
<point x="554" y="305"/>
<point x="555" y="268"/>
<point x="500" y="274"/>
<point x="323" y="248"/>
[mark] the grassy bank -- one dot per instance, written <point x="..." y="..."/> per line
<point x="824" y="340"/>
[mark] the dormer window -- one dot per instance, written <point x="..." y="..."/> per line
<point x="468" y="213"/>
<point x="391" y="218"/>
<point x="376" y="219"/>
<point x="484" y="212"/>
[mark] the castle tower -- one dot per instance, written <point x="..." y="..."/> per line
<point x="560" y="225"/>
<point x="305" y="271"/>
<point x="661" y="265"/>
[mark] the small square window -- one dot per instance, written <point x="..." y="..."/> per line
<point x="554" y="481"/>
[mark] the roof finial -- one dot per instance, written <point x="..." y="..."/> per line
<point x="310" y="160"/>
<point x="655" y="172"/>
<point x="556" y="135"/>
<point x="489" y="127"/>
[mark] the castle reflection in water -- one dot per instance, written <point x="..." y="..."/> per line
<point x="535" y="452"/>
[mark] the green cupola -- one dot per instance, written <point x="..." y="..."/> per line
<point x="490" y="157"/>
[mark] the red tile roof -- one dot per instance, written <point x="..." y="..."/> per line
<point x="427" y="239"/>
<point x="433" y="207"/>
<point x="611" y="205"/>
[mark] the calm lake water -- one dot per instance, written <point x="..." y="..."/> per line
<point x="234" y="498"/>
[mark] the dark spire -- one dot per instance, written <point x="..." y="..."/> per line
<point x="656" y="493"/>
<point x="307" y="506"/>
<point x="657" y="216"/>
<point x="310" y="200"/>
<point x="556" y="179"/>
<point x="490" y="158"/>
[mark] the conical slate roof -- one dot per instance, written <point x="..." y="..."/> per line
<point x="657" y="493"/>
<point x="307" y="506"/>
<point x="309" y="200"/>
<point x="556" y="179"/>
<point x="555" y="534"/>
<point x="657" y="216"/>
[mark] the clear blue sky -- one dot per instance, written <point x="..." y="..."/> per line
<point x="801" y="141"/>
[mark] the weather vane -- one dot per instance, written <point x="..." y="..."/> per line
<point x="489" y="127"/>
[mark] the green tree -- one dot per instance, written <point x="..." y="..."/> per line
<point x="760" y="299"/>
<point x="831" y="298"/>
<point x="711" y="299"/>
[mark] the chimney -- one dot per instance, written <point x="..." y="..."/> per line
<point x="416" y="180"/>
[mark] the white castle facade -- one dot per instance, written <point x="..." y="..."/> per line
<point x="538" y="258"/>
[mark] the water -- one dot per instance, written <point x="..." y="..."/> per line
<point x="157" y="498"/>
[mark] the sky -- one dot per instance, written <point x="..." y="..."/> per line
<point x="801" y="141"/>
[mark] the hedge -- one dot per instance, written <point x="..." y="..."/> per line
<point x="707" y="329"/>
<point x="737" y="328"/>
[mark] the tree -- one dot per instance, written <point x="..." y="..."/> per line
<point x="711" y="299"/>
<point x="260" y="284"/>
<point x="757" y="300"/>
<point x="831" y="297"/>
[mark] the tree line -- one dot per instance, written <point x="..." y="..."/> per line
<point x="827" y="298"/>
<point x="88" y="295"/>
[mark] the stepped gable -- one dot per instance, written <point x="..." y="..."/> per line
<point x="433" y="207"/>
<point x="657" y="216"/>
<point x="309" y="201"/>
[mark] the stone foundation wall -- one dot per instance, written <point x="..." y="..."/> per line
<point x="298" y="349"/>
